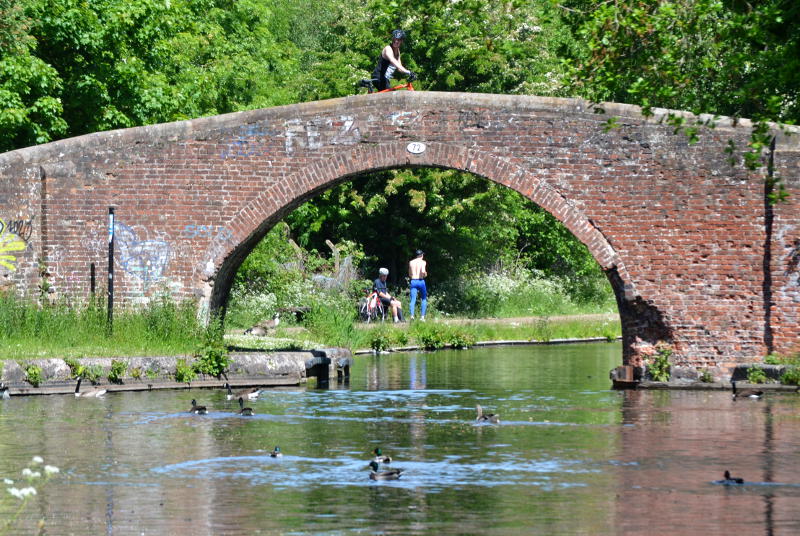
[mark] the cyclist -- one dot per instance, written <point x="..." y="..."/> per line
<point x="389" y="61"/>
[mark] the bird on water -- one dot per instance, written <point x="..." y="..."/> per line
<point x="745" y="393"/>
<point x="198" y="410"/>
<point x="493" y="418"/>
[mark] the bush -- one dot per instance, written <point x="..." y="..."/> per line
<point x="756" y="375"/>
<point x="118" y="371"/>
<point x="33" y="374"/>
<point x="184" y="373"/>
<point x="212" y="356"/>
<point x="659" y="368"/>
<point x="791" y="376"/>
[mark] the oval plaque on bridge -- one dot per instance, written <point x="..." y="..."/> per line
<point x="416" y="147"/>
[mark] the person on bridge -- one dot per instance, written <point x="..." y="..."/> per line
<point x="417" y="272"/>
<point x="389" y="61"/>
<point x="387" y="300"/>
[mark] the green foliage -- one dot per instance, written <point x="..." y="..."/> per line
<point x="706" y="376"/>
<point x="75" y="368"/>
<point x="72" y="330"/>
<point x="212" y="357"/>
<point x="659" y="368"/>
<point x="184" y="372"/>
<point x="93" y="373"/>
<point x="332" y="320"/>
<point x="460" y="338"/>
<point x="118" y="370"/>
<point x="756" y="375"/>
<point x="33" y="374"/>
<point x="431" y="336"/>
<point x="136" y="373"/>
<point x="381" y="340"/>
<point x="791" y="376"/>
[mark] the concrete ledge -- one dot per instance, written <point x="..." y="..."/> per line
<point x="716" y="386"/>
<point x="517" y="342"/>
<point x="247" y="369"/>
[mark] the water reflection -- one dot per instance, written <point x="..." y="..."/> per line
<point x="569" y="457"/>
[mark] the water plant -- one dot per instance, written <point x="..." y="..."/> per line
<point x="118" y="370"/>
<point x="184" y="372"/>
<point x="756" y="375"/>
<point x="659" y="368"/>
<point x="33" y="374"/>
<point x="93" y="373"/>
<point x="136" y="373"/>
<point x="791" y="376"/>
<point x="212" y="356"/>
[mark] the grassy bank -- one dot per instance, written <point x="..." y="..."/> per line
<point x="435" y="333"/>
<point x="31" y="331"/>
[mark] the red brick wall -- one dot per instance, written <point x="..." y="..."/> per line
<point x="681" y="232"/>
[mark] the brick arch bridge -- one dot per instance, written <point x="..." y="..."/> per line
<point x="695" y="255"/>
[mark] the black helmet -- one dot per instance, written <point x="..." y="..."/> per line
<point x="398" y="34"/>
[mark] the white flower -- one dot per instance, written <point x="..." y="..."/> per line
<point x="27" y="473"/>
<point x="50" y="469"/>
<point x="8" y="481"/>
<point x="28" y="491"/>
<point x="37" y="460"/>
<point x="15" y="492"/>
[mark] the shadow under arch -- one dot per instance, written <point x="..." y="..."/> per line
<point x="253" y="221"/>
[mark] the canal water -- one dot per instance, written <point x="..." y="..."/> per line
<point x="569" y="456"/>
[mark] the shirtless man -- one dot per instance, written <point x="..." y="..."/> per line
<point x="417" y="272"/>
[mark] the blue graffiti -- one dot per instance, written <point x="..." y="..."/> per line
<point x="145" y="259"/>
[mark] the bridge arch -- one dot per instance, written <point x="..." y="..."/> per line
<point x="696" y="256"/>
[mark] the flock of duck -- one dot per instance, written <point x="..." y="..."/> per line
<point x="378" y="465"/>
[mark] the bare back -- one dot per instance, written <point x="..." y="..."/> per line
<point x="416" y="268"/>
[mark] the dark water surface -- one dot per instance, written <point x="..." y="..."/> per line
<point x="570" y="456"/>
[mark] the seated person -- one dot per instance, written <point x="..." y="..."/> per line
<point x="383" y="293"/>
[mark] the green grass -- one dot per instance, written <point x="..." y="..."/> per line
<point x="30" y="331"/>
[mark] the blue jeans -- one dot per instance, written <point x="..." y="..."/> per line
<point x="418" y="287"/>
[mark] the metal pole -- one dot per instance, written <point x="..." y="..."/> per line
<point x="110" y="269"/>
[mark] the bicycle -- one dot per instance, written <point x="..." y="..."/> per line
<point x="370" y="83"/>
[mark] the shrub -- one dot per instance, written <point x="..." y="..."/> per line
<point x="461" y="339"/>
<point x="706" y="377"/>
<point x="756" y="375"/>
<point x="93" y="373"/>
<point x="184" y="373"/>
<point x="431" y="336"/>
<point x="659" y="368"/>
<point x="33" y="374"/>
<point x="118" y="370"/>
<point x="212" y="356"/>
<point x="791" y="376"/>
<point x="380" y="340"/>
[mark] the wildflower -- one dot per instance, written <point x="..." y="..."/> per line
<point x="37" y="460"/>
<point x="22" y="493"/>
<point x="50" y="469"/>
<point x="8" y="481"/>
<point x="27" y="473"/>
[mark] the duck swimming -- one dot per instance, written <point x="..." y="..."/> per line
<point x="493" y="418"/>
<point x="198" y="410"/>
<point x="276" y="452"/>
<point x="94" y="392"/>
<point x="380" y="458"/>
<point x="745" y="393"/>
<point x="247" y="412"/>
<point x="730" y="480"/>
<point x="390" y="474"/>
<point x="250" y="394"/>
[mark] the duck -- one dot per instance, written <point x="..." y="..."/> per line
<point x="247" y="412"/>
<point x="250" y="394"/>
<point x="4" y="392"/>
<point x="94" y="392"/>
<point x="390" y="474"/>
<point x="730" y="480"/>
<point x="276" y="452"/>
<point x="198" y="410"/>
<point x="261" y="329"/>
<point x="493" y="418"/>
<point x="380" y="458"/>
<point x="745" y="393"/>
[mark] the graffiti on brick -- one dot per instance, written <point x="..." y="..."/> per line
<point x="22" y="228"/>
<point x="318" y="132"/>
<point x="145" y="259"/>
<point x="218" y="232"/>
<point x="9" y="243"/>
<point x="244" y="145"/>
